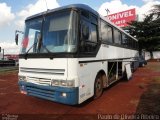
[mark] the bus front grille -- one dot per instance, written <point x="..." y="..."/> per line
<point x="41" y="93"/>
<point x="39" y="81"/>
<point x="42" y="71"/>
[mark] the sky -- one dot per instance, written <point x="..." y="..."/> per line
<point x="14" y="12"/>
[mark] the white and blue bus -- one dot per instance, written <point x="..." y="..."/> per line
<point x="70" y="54"/>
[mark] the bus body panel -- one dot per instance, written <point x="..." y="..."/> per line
<point x="87" y="74"/>
<point x="113" y="52"/>
<point x="44" y="68"/>
<point x="52" y="93"/>
<point x="73" y="70"/>
<point x="88" y="68"/>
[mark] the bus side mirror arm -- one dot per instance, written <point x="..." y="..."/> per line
<point x="16" y="36"/>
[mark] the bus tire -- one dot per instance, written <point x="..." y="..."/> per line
<point x="98" y="87"/>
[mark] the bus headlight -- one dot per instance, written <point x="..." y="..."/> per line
<point x="67" y="83"/>
<point x="63" y="83"/>
<point x="70" y="83"/>
<point x="22" y="78"/>
<point x="55" y="82"/>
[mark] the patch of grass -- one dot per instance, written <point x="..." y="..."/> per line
<point x="5" y="69"/>
<point x="156" y="79"/>
<point x="142" y="85"/>
<point x="134" y="102"/>
<point x="154" y="66"/>
<point x="149" y="101"/>
<point x="8" y="71"/>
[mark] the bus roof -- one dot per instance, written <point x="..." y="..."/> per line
<point x="74" y="6"/>
<point x="80" y="6"/>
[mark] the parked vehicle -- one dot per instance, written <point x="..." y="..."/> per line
<point x="69" y="54"/>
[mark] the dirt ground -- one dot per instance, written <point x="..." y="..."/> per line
<point x="138" y="98"/>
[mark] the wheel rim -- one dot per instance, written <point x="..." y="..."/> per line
<point x="98" y="87"/>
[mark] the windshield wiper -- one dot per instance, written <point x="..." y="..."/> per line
<point x="42" y="46"/>
<point x="25" y="55"/>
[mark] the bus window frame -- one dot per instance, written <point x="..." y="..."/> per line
<point x="127" y="46"/>
<point x="117" y="44"/>
<point x="106" y="41"/>
<point x="91" y="22"/>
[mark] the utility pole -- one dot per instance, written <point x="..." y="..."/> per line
<point x="107" y="10"/>
<point x="2" y="52"/>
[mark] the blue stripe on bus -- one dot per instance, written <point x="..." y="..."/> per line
<point x="53" y="93"/>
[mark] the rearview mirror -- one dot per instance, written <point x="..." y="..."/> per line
<point x="16" y="39"/>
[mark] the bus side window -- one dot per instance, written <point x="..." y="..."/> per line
<point x="137" y="46"/>
<point x="85" y="35"/>
<point x="124" y="40"/>
<point x="106" y="33"/>
<point x="117" y="37"/>
<point x="130" y="42"/>
<point x="85" y="31"/>
<point x="89" y="34"/>
<point x="94" y="33"/>
<point x="89" y="37"/>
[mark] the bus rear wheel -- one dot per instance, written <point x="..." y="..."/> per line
<point x="98" y="87"/>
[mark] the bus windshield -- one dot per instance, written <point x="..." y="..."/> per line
<point x="54" y="33"/>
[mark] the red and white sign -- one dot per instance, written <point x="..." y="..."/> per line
<point x="122" y="18"/>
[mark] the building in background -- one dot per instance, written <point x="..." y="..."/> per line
<point x="147" y="55"/>
<point x="11" y="57"/>
<point x="9" y="60"/>
<point x="156" y="55"/>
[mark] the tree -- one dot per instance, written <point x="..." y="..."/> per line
<point x="148" y="30"/>
<point x="156" y="11"/>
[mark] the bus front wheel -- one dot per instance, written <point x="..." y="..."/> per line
<point x="98" y="87"/>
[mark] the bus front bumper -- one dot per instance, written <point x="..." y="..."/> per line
<point x="54" y="93"/>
